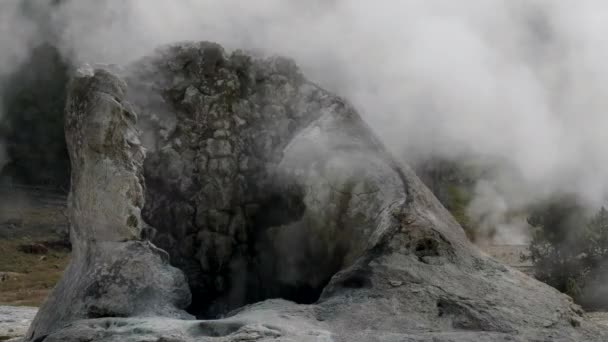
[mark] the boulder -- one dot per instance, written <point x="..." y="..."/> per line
<point x="289" y="219"/>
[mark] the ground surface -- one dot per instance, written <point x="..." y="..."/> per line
<point x="599" y="317"/>
<point x="32" y="249"/>
<point x="33" y="217"/>
<point x="14" y="321"/>
<point x="516" y="256"/>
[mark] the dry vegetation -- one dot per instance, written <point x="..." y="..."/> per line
<point x="28" y="278"/>
<point x="32" y="255"/>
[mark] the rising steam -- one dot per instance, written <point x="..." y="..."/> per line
<point x="520" y="84"/>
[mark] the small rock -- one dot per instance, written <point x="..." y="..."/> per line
<point x="220" y="133"/>
<point x="239" y="121"/>
<point x="395" y="283"/>
<point x="14" y="223"/>
<point x="33" y="248"/>
<point x="218" y="148"/>
<point x="548" y="324"/>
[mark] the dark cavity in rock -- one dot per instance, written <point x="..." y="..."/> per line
<point x="227" y="204"/>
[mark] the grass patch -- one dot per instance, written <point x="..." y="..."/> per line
<point x="30" y="277"/>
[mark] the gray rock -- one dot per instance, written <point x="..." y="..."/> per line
<point x="14" y="321"/>
<point x="111" y="273"/>
<point x="320" y="214"/>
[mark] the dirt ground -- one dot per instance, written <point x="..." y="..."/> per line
<point x="33" y="244"/>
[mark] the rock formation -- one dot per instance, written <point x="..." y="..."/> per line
<point x="289" y="219"/>
<point x="112" y="273"/>
<point x="265" y="185"/>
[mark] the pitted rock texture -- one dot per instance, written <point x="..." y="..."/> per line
<point x="263" y="185"/>
<point x="107" y="188"/>
<point x="112" y="273"/>
<point x="318" y="210"/>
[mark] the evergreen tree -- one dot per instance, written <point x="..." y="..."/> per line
<point x="570" y="250"/>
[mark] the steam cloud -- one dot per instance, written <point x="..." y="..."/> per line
<point x="520" y="84"/>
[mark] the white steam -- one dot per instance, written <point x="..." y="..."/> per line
<point x="518" y="82"/>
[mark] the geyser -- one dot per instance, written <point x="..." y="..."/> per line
<point x="258" y="184"/>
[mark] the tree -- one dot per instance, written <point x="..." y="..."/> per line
<point x="34" y="101"/>
<point x="570" y="250"/>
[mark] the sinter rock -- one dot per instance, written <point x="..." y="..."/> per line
<point x="112" y="272"/>
<point x="289" y="219"/>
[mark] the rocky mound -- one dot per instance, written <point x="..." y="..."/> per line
<point x="264" y="188"/>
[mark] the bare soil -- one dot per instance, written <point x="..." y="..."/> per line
<point x="33" y="249"/>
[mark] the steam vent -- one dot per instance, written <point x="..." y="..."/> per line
<point x="223" y="197"/>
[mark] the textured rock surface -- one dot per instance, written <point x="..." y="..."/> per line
<point x="262" y="185"/>
<point x="111" y="273"/>
<point x="14" y="321"/>
<point x="107" y="190"/>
